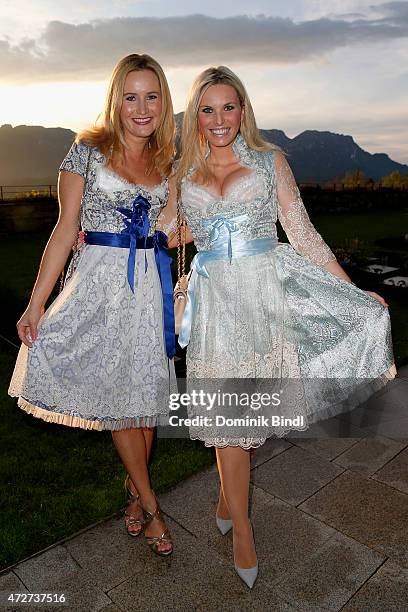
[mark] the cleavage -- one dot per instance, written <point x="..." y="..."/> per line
<point x="228" y="185"/>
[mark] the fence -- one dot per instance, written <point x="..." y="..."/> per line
<point x="14" y="193"/>
<point x="333" y="186"/>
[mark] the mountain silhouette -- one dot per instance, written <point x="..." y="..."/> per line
<point x="32" y="154"/>
<point x="321" y="156"/>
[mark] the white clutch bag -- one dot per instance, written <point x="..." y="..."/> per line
<point x="180" y="300"/>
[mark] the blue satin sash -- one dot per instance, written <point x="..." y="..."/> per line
<point x="224" y="245"/>
<point x="134" y="236"/>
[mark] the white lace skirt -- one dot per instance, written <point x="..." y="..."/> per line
<point x="100" y="360"/>
<point x="292" y="326"/>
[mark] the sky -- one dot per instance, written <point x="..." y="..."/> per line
<point x="337" y="65"/>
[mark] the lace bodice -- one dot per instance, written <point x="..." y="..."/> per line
<point x="267" y="194"/>
<point x="105" y="191"/>
<point x="247" y="195"/>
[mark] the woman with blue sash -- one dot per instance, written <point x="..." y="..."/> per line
<point x="262" y="316"/>
<point x="100" y="357"/>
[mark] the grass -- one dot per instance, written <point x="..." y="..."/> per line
<point x="367" y="226"/>
<point x="56" y="480"/>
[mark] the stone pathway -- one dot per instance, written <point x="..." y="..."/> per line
<point x="330" y="517"/>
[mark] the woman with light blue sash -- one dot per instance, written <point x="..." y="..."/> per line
<point x="267" y="315"/>
<point x="100" y="357"/>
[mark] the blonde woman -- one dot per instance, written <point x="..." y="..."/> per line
<point x="262" y="310"/>
<point x="100" y="357"/>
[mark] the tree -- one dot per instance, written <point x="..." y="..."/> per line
<point x="355" y="179"/>
<point x="393" y="180"/>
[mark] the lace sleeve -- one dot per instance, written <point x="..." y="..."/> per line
<point x="76" y="159"/>
<point x="294" y="219"/>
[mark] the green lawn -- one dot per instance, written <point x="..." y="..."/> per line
<point x="367" y="226"/>
<point x="57" y="480"/>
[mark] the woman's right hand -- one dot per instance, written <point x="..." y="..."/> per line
<point x="28" y="323"/>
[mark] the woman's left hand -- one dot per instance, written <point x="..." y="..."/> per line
<point x="378" y="298"/>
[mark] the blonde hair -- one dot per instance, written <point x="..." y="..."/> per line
<point x="193" y="144"/>
<point x="109" y="137"/>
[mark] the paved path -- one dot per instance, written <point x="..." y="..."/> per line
<point x="330" y="518"/>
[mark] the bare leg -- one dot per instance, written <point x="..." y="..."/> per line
<point x="148" y="433"/>
<point x="222" y="508"/>
<point x="234" y="466"/>
<point x="132" y="449"/>
<point x="133" y="509"/>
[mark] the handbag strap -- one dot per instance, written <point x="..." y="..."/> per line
<point x="181" y="242"/>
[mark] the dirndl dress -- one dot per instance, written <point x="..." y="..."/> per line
<point x="267" y="317"/>
<point x="102" y="359"/>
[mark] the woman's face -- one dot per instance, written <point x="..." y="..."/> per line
<point x="219" y="115"/>
<point x="142" y="103"/>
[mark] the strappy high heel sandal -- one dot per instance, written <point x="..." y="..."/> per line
<point x="132" y="521"/>
<point x="164" y="538"/>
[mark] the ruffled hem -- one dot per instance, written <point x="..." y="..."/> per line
<point x="248" y="443"/>
<point x="90" y="424"/>
<point x="244" y="443"/>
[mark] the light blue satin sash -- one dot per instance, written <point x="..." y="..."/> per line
<point x="224" y="245"/>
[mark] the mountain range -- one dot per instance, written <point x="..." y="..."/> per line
<point x="31" y="155"/>
<point x="324" y="156"/>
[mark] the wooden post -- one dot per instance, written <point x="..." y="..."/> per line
<point x="1" y="192"/>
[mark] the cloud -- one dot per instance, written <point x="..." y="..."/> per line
<point x="88" y="51"/>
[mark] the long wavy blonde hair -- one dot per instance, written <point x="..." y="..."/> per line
<point x="109" y="136"/>
<point x="193" y="143"/>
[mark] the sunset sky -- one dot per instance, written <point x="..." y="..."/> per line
<point x="338" y="65"/>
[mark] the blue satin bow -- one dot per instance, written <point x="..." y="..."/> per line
<point x="216" y="225"/>
<point x="163" y="262"/>
<point x="136" y="235"/>
<point x="137" y="225"/>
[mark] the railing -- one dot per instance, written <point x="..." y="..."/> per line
<point x="14" y="193"/>
<point x="335" y="186"/>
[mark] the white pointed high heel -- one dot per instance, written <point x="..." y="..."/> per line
<point x="249" y="574"/>
<point x="224" y="525"/>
